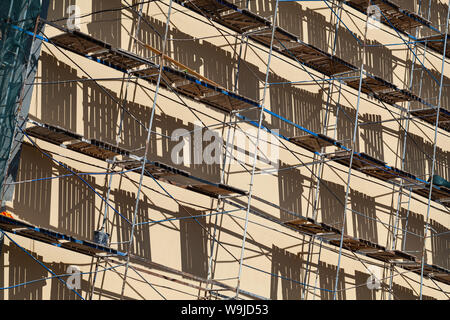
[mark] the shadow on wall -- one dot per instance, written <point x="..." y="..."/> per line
<point x="332" y="197"/>
<point x="100" y="113"/>
<point x="32" y="200"/>
<point x="413" y="226"/>
<point x="364" y="227"/>
<point x="442" y="162"/>
<point x="291" y="18"/>
<point x="264" y="8"/>
<point x="290" y="190"/>
<point x="151" y="32"/>
<point x="426" y="85"/>
<point x="320" y="33"/>
<point x="59" y="290"/>
<point x="438" y="15"/>
<point x="298" y="105"/>
<point x="440" y="244"/>
<point x="218" y="64"/>
<point x="327" y="280"/>
<point x="106" y="23"/>
<point x="379" y="60"/>
<point x="76" y="205"/>
<point x="193" y="242"/>
<point x="22" y="268"/>
<point x="249" y="80"/>
<point x="162" y="148"/>
<point x="403" y="293"/>
<point x="345" y="125"/>
<point x="187" y="52"/>
<point x="362" y="291"/>
<point x="58" y="101"/>
<point x="125" y="203"/>
<point x="214" y="63"/>
<point x="348" y="47"/>
<point x="318" y="27"/>
<point x="415" y="159"/>
<point x="58" y="10"/>
<point x="134" y="134"/>
<point x="418" y="159"/>
<point x="286" y="265"/>
<point x="101" y="121"/>
<point x="372" y="135"/>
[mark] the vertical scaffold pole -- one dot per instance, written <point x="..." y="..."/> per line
<point x="434" y="152"/>
<point x="230" y="126"/>
<point x="316" y="191"/>
<point x="403" y="160"/>
<point x="255" y="155"/>
<point x="147" y="144"/>
<point x="111" y="166"/>
<point x="353" y="144"/>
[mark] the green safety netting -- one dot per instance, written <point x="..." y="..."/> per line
<point x="15" y="49"/>
<point x="439" y="181"/>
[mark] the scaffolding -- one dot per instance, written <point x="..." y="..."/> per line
<point x="165" y="77"/>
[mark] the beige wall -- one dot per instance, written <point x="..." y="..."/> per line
<point x="69" y="206"/>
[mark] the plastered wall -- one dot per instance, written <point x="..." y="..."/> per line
<point x="275" y="258"/>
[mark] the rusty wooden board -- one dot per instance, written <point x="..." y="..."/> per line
<point x="436" y="43"/>
<point x="242" y="21"/>
<point x="80" y="42"/>
<point x="190" y="85"/>
<point x="429" y="115"/>
<point x="52" y="134"/>
<point x="104" y="151"/>
<point x="84" y="44"/>
<point x="381" y="89"/>
<point x="313" y="143"/>
<point x="54" y="238"/>
<point x="360" y="160"/>
<point x="92" y="150"/>
<point x="438" y="193"/>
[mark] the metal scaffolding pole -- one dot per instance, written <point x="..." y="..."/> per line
<point x="147" y="145"/>
<point x="434" y="152"/>
<point x="403" y="159"/>
<point x="228" y="151"/>
<point x="321" y="164"/>
<point x="103" y="228"/>
<point x="255" y="155"/>
<point x="353" y="145"/>
<point x="208" y="285"/>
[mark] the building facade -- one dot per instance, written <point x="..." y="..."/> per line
<point x="212" y="149"/>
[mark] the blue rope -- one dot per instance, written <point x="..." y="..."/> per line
<point x="48" y="269"/>
<point x="64" y="166"/>
<point x="57" y="276"/>
<point x="189" y="217"/>
<point x="70" y="175"/>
